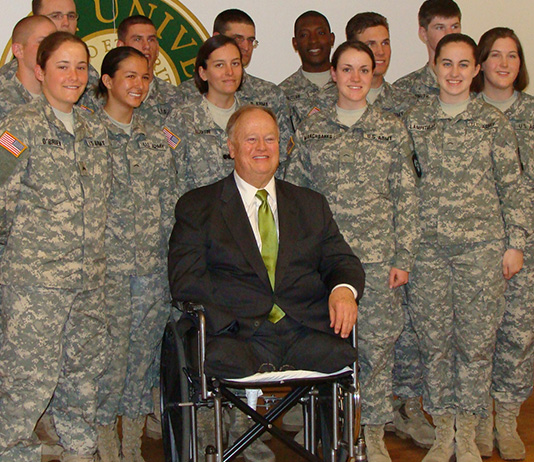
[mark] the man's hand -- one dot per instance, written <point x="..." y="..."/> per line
<point x="512" y="262"/>
<point x="397" y="278"/>
<point x="343" y="311"/>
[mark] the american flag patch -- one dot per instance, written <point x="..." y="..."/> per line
<point x="172" y="139"/>
<point x="87" y="109"/>
<point x="314" y="111"/>
<point x="12" y="144"/>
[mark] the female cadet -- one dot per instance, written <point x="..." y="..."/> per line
<point x="473" y="232"/>
<point x="359" y="156"/>
<point x="501" y="82"/>
<point x="54" y="180"/>
<point x="201" y="151"/>
<point x="140" y="218"/>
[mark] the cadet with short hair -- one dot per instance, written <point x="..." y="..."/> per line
<point x="54" y="183"/>
<point x="437" y="18"/>
<point x="313" y="41"/>
<point x="140" y="33"/>
<point x="373" y="30"/>
<point x="239" y="26"/>
<point x="501" y="84"/>
<point x="24" y="86"/>
<point x="359" y="157"/>
<point x="63" y="14"/>
<point x="475" y="217"/>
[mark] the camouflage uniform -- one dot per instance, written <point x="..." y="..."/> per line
<point x="299" y="90"/>
<point x="12" y="95"/>
<point x="53" y="213"/>
<point x="390" y="100"/>
<point x="202" y="153"/>
<point x="161" y="100"/>
<point x="513" y="362"/>
<point x="88" y="99"/>
<point x="472" y="208"/>
<point x="140" y="218"/>
<point x="421" y="83"/>
<point x="259" y="92"/>
<point x="365" y="172"/>
<point x="408" y="370"/>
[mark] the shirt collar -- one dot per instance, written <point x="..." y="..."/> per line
<point x="248" y="192"/>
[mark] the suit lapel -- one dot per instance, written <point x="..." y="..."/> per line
<point x="287" y="227"/>
<point x="234" y="214"/>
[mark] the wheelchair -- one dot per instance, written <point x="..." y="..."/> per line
<point x="330" y="402"/>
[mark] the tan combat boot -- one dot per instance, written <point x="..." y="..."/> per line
<point x="374" y="442"/>
<point x="410" y="422"/>
<point x="132" y="431"/>
<point x="443" y="448"/>
<point x="108" y="444"/>
<point x="46" y="432"/>
<point x="466" y="448"/>
<point x="484" y="434"/>
<point x="508" y="441"/>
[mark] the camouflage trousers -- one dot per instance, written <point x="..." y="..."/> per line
<point x="513" y="361"/>
<point x="138" y="309"/>
<point x="54" y="347"/>
<point x="456" y="305"/>
<point x="380" y="321"/>
<point x="408" y="368"/>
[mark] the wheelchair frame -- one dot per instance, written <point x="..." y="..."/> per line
<point x="179" y="404"/>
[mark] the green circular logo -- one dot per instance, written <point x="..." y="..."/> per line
<point x="179" y="32"/>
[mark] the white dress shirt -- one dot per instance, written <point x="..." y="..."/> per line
<point x="252" y="204"/>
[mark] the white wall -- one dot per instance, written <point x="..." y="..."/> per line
<point x="275" y="59"/>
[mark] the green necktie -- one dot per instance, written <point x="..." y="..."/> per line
<point x="269" y="247"/>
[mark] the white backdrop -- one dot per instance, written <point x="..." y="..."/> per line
<point x="275" y="59"/>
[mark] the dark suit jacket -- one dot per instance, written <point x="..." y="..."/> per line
<point x="214" y="258"/>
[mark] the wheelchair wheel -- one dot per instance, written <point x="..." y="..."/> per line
<point x="175" y="421"/>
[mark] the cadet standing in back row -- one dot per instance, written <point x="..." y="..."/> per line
<point x="359" y="156"/>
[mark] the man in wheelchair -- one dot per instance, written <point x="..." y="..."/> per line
<point x="267" y="261"/>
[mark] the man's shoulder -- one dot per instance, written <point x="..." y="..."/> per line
<point x="299" y="194"/>
<point x="9" y="69"/>
<point x="255" y="85"/>
<point x="289" y="84"/>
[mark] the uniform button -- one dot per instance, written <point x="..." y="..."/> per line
<point x="256" y="323"/>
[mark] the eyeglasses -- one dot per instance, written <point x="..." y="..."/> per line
<point x="239" y="39"/>
<point x="58" y="16"/>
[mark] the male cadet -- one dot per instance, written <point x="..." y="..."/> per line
<point x="139" y="32"/>
<point x="23" y="86"/>
<point x="437" y="18"/>
<point x="239" y="25"/>
<point x="313" y="41"/>
<point x="63" y="15"/>
<point x="373" y="30"/>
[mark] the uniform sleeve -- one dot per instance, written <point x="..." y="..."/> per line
<point x="14" y="154"/>
<point x="405" y="202"/>
<point x="168" y="195"/>
<point x="511" y="188"/>
<point x="298" y="165"/>
<point x="177" y="137"/>
<point x="283" y="115"/>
